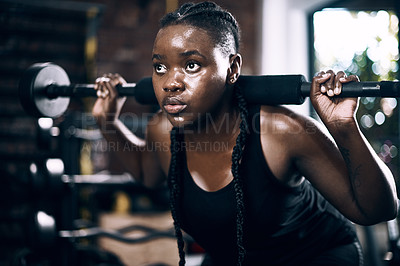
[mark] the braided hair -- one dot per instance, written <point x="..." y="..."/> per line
<point x="174" y="184"/>
<point x="219" y="23"/>
<point x="225" y="32"/>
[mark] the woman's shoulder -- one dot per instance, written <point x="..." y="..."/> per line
<point x="280" y="119"/>
<point x="291" y="128"/>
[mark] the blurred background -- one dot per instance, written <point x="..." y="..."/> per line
<point x="41" y="211"/>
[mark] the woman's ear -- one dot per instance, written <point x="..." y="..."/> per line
<point x="234" y="68"/>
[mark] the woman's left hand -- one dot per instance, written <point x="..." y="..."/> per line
<point x="333" y="111"/>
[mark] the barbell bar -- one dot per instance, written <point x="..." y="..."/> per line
<point x="48" y="176"/>
<point x="45" y="90"/>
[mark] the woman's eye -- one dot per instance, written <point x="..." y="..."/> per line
<point x="160" y="68"/>
<point x="192" y="67"/>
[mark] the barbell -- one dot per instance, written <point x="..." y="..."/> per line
<point x="45" y="90"/>
<point x="48" y="176"/>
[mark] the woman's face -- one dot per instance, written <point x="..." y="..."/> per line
<point x="189" y="75"/>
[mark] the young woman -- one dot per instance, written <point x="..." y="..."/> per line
<point x="253" y="185"/>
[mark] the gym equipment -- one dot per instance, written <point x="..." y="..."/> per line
<point x="45" y="90"/>
<point x="48" y="175"/>
<point x="45" y="232"/>
<point x="392" y="256"/>
<point x="150" y="233"/>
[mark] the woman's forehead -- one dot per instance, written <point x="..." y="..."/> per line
<point x="182" y="37"/>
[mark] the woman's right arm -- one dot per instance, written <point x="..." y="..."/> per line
<point x="136" y="155"/>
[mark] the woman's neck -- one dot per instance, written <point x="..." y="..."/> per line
<point x="220" y="126"/>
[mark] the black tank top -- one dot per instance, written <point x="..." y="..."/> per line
<point x="282" y="225"/>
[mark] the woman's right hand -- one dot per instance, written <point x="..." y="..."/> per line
<point x="108" y="105"/>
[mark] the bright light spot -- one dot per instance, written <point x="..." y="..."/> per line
<point x="379" y="118"/>
<point x="388" y="105"/>
<point x="394" y="23"/>
<point x="45" y="122"/>
<point x="376" y="68"/>
<point x="393" y="151"/>
<point x="45" y="220"/>
<point x="368" y="102"/>
<point x="55" y="131"/>
<point x="33" y="168"/>
<point x="55" y="167"/>
<point x="388" y="151"/>
<point x="385" y="149"/>
<point x="367" y="121"/>
<point x="392" y="102"/>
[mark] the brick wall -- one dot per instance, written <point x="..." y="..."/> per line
<point x="128" y="29"/>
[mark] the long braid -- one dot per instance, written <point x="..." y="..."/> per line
<point x="237" y="155"/>
<point x="174" y="183"/>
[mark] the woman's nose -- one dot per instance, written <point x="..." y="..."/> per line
<point x="174" y="82"/>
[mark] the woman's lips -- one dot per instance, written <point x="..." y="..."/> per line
<point x="173" y="105"/>
<point x="174" y="108"/>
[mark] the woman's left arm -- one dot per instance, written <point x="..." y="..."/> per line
<point x="371" y="183"/>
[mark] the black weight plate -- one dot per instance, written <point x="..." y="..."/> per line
<point x="32" y="90"/>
